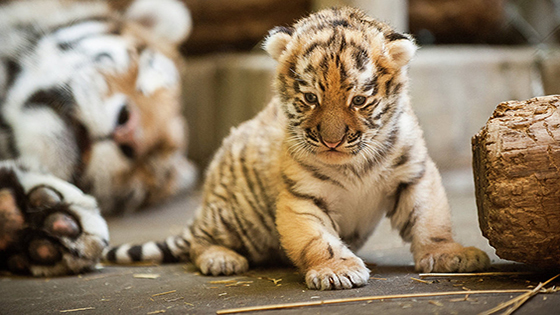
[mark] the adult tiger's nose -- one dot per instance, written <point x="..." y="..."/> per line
<point x="126" y="131"/>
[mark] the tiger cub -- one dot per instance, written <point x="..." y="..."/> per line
<point x="89" y="123"/>
<point x="308" y="179"/>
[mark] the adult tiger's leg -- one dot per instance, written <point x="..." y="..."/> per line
<point x="48" y="226"/>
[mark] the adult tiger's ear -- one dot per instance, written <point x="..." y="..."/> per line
<point x="167" y="19"/>
<point x="277" y="40"/>
<point x="401" y="48"/>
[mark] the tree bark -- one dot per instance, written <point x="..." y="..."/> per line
<point x="516" y="164"/>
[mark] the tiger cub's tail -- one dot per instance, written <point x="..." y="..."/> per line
<point x="172" y="249"/>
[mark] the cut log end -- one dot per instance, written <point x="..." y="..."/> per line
<point x="516" y="165"/>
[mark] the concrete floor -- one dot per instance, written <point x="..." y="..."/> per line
<point x="180" y="289"/>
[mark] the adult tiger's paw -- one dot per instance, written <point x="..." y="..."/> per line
<point x="344" y="273"/>
<point x="48" y="226"/>
<point x="452" y="257"/>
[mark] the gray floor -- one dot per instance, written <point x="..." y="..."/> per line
<point x="180" y="289"/>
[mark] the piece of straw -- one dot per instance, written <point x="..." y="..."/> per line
<point x="164" y="293"/>
<point x="359" y="299"/>
<point x="518" y="301"/>
<point x="473" y="274"/>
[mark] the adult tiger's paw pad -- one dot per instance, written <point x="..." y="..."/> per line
<point x="61" y="224"/>
<point x="44" y="252"/>
<point x="44" y="197"/>
<point x="11" y="219"/>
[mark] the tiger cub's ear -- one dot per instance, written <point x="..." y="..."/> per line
<point x="167" y="19"/>
<point x="277" y="40"/>
<point x="401" y="48"/>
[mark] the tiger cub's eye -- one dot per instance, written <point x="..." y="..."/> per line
<point x="358" y="100"/>
<point x="310" y="98"/>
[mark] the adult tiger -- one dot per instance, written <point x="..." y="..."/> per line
<point x="89" y="102"/>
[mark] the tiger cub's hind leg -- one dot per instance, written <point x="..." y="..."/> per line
<point x="208" y="256"/>
<point x="48" y="227"/>
<point x="219" y="260"/>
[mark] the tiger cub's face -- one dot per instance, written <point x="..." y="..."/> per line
<point x="339" y="78"/>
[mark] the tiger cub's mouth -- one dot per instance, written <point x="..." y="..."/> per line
<point x="333" y="156"/>
<point x="334" y="152"/>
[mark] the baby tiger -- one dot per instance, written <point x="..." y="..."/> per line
<point x="308" y="179"/>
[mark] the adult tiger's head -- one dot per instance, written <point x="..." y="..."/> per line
<point x="92" y="94"/>
<point x="341" y="77"/>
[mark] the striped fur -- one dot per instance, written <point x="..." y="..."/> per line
<point x="90" y="95"/>
<point x="309" y="178"/>
<point x="105" y="91"/>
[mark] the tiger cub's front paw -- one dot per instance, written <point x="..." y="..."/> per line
<point x="51" y="228"/>
<point x="344" y="273"/>
<point x="452" y="257"/>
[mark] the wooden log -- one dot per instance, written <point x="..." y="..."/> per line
<point x="516" y="164"/>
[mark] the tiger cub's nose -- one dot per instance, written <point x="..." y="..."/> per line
<point x="332" y="145"/>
